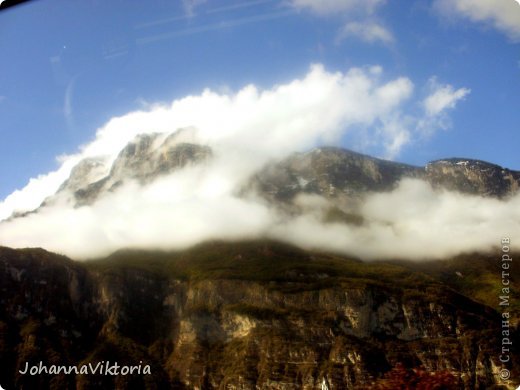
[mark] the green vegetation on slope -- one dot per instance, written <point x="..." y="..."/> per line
<point x="266" y="261"/>
<point x="283" y="267"/>
<point x="475" y="275"/>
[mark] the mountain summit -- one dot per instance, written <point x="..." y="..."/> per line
<point x="328" y="171"/>
<point x="335" y="172"/>
<point x="145" y="158"/>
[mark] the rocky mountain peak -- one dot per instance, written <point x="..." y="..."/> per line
<point x="464" y="162"/>
<point x="150" y="155"/>
<point x="87" y="170"/>
<point x="135" y="157"/>
<point x="343" y="174"/>
<point x="473" y="176"/>
<point x="144" y="158"/>
<point x="340" y="175"/>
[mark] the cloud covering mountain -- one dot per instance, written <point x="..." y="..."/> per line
<point x="255" y="125"/>
<point x="245" y="130"/>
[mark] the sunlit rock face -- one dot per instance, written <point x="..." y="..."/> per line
<point x="339" y="173"/>
<point x="87" y="171"/>
<point x="144" y="159"/>
<point x="473" y="177"/>
<point x="331" y="172"/>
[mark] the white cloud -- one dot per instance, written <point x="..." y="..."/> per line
<point x="318" y="108"/>
<point x="245" y="130"/>
<point x="357" y="15"/>
<point x="442" y="97"/>
<point x="504" y="15"/>
<point x="191" y="5"/>
<point x="412" y="222"/>
<point x="328" y="7"/>
<point x="33" y="194"/>
<point x="67" y="104"/>
<point x="367" y="31"/>
<point x="175" y="212"/>
<point x="395" y="133"/>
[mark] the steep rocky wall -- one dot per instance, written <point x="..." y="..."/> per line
<point x="239" y="334"/>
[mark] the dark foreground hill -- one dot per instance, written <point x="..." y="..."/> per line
<point x="250" y="315"/>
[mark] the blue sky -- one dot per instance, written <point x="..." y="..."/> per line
<point x="69" y="67"/>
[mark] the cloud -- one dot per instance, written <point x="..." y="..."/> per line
<point x="367" y="31"/>
<point x="67" y="104"/>
<point x="175" y="212"/>
<point x="357" y="15"/>
<point x="190" y="6"/>
<point x="395" y="133"/>
<point x="189" y="12"/>
<point x="319" y="108"/>
<point x="442" y="97"/>
<point x="412" y="222"/>
<point x="245" y="130"/>
<point x="504" y="15"/>
<point x="32" y="195"/>
<point x="330" y="7"/>
<point x="205" y="28"/>
<point x="238" y="6"/>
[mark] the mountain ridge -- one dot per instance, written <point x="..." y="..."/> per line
<point x="332" y="172"/>
<point x="362" y="173"/>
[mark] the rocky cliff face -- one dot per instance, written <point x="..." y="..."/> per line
<point x="341" y="174"/>
<point x="144" y="159"/>
<point x="335" y="173"/>
<point x="238" y="316"/>
<point x="87" y="171"/>
<point x="473" y="176"/>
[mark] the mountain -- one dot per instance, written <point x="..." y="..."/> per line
<point x="341" y="175"/>
<point x="331" y="172"/>
<point x="473" y="177"/>
<point x="145" y="158"/>
<point x="243" y="315"/>
<point x="260" y="314"/>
